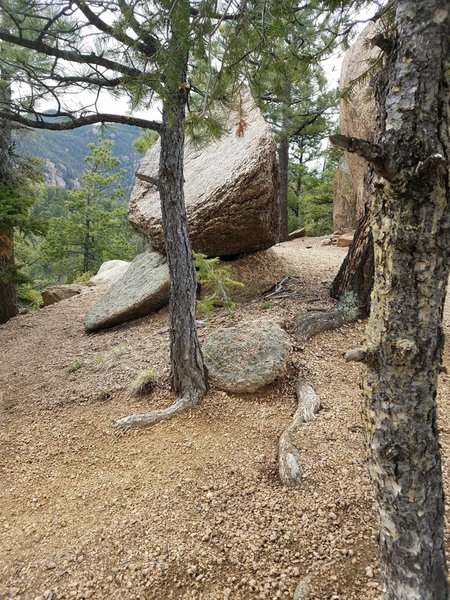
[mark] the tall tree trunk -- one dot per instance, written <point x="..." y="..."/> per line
<point x="357" y="270"/>
<point x="189" y="375"/>
<point x="411" y="229"/>
<point x="8" y="300"/>
<point x="283" y="168"/>
<point x="8" y="307"/>
<point x="188" y="370"/>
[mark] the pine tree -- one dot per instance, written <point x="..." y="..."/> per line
<point x="142" y="50"/>
<point x="93" y="226"/>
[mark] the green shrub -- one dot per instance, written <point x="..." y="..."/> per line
<point x="28" y="297"/>
<point x="217" y="283"/>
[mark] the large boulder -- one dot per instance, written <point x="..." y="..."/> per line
<point x="109" y="272"/>
<point x="143" y="289"/>
<point x="245" y="358"/>
<point x="357" y="115"/>
<point x="230" y="189"/>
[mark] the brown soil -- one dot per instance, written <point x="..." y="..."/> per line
<point x="190" y="508"/>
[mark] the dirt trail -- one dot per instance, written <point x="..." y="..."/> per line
<point x="190" y="508"/>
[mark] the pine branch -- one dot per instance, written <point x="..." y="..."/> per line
<point x="149" y="47"/>
<point x="75" y="122"/>
<point x="70" y="55"/>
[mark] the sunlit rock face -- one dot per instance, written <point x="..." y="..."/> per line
<point x="230" y="189"/>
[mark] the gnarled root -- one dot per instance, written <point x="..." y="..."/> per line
<point x="289" y="468"/>
<point x="181" y="404"/>
<point x="307" y="325"/>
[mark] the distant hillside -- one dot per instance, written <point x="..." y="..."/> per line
<point x="63" y="151"/>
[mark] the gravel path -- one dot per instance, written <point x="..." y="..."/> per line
<point x="191" y="508"/>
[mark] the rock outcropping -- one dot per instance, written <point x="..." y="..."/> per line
<point x="143" y="289"/>
<point x="230" y="190"/>
<point x="245" y="358"/>
<point x="357" y="119"/>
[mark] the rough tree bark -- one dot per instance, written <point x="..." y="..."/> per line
<point x="8" y="300"/>
<point x="189" y="375"/>
<point x="411" y="229"/>
<point x="357" y="270"/>
<point x="283" y="168"/>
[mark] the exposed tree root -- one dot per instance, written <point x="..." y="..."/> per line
<point x="289" y="468"/>
<point x="307" y="325"/>
<point x="180" y="405"/>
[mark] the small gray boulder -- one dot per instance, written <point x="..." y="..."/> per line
<point x="143" y="289"/>
<point x="109" y="272"/>
<point x="243" y="359"/>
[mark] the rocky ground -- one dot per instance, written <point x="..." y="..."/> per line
<point x="190" y="508"/>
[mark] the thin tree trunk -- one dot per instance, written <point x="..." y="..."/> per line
<point x="283" y="168"/>
<point x="188" y="370"/>
<point x="411" y="228"/>
<point x="8" y="300"/>
<point x="357" y="270"/>
<point x="189" y="375"/>
<point x="8" y="307"/>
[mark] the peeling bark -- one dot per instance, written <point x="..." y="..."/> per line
<point x="411" y="230"/>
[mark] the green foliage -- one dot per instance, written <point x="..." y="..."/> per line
<point x="28" y="297"/>
<point x="310" y="196"/>
<point x="64" y="151"/>
<point x="106" y="359"/>
<point x="83" y="278"/>
<point x="266" y="304"/>
<point x="216" y="282"/>
<point x="145" y="141"/>
<point x="18" y="195"/>
<point x="92" y="227"/>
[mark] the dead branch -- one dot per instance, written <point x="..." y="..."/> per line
<point x="289" y="467"/>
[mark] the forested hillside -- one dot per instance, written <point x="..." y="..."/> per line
<point x="64" y="151"/>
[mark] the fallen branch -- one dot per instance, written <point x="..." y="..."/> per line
<point x="180" y="405"/>
<point x="307" y="325"/>
<point x="289" y="468"/>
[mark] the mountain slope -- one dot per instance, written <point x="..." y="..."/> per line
<point x="63" y="151"/>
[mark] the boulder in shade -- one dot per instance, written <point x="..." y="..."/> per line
<point x="245" y="358"/>
<point x="143" y="289"/>
<point x="230" y="189"/>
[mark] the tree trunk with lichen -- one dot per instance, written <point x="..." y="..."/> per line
<point x="356" y="273"/>
<point x="411" y="228"/>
